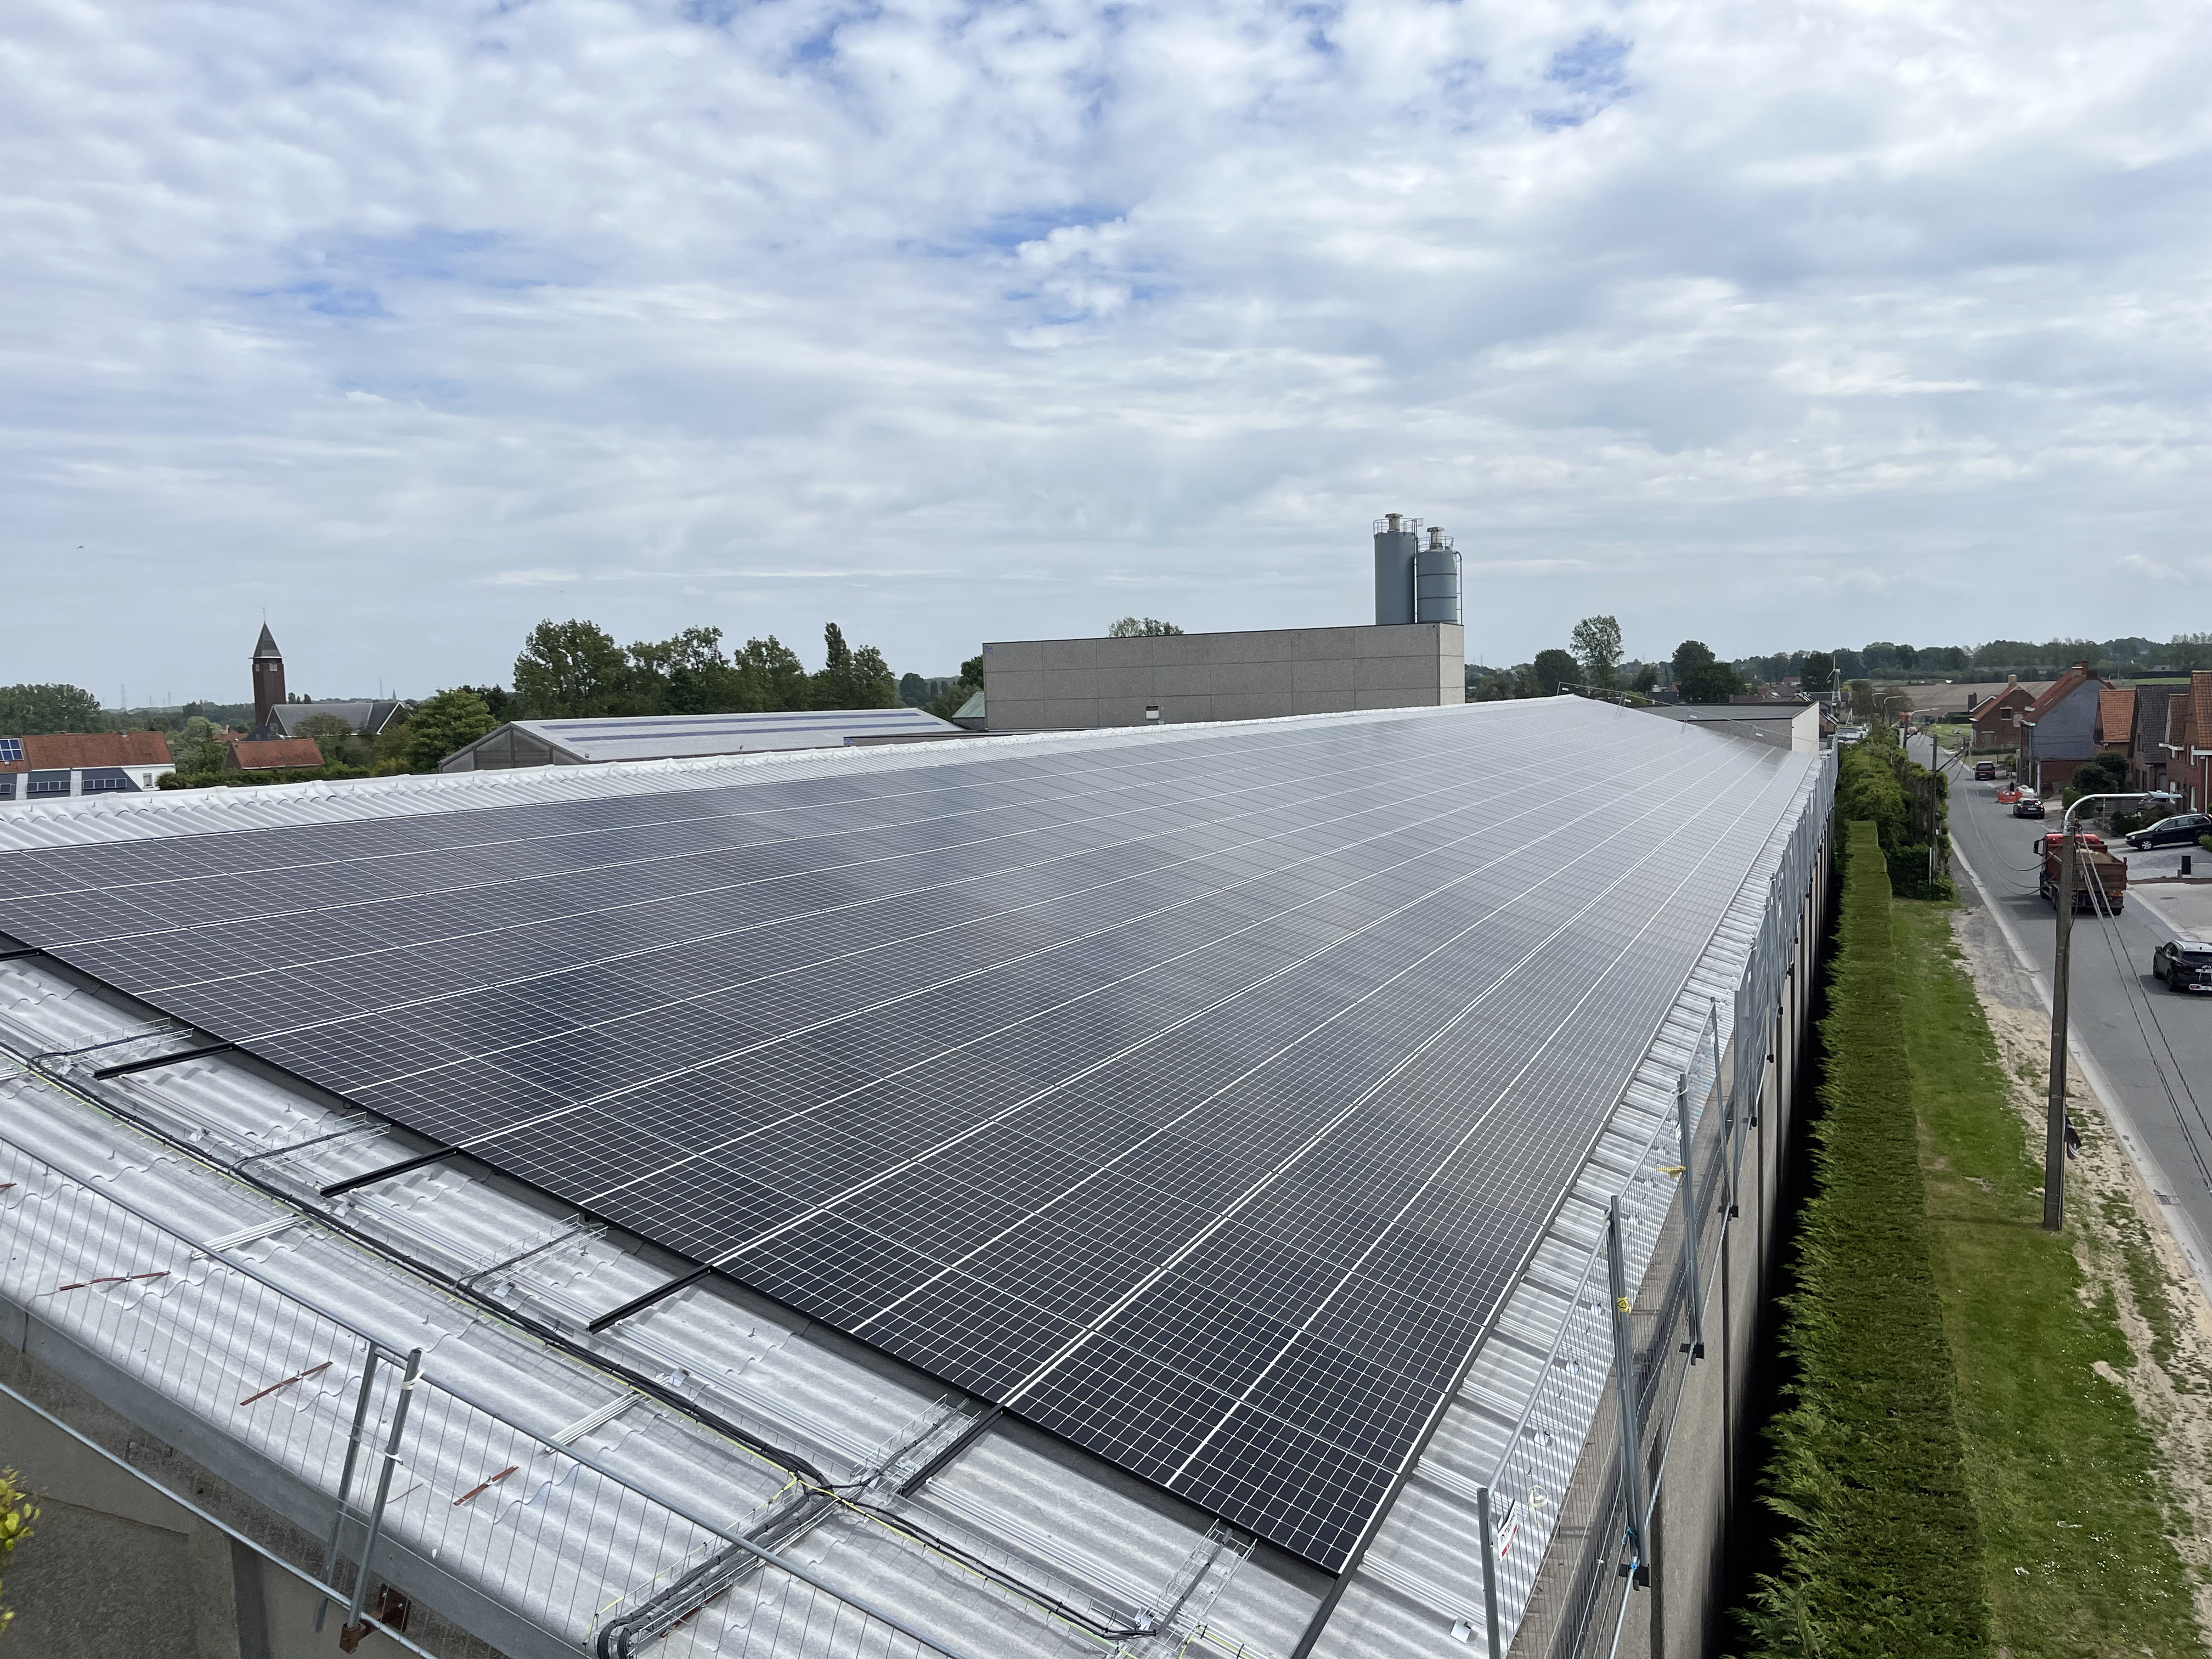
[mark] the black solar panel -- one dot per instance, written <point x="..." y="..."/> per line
<point x="1195" y="1096"/>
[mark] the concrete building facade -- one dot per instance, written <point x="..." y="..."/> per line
<point x="1058" y="685"/>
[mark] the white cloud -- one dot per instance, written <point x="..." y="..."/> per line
<point x="409" y="323"/>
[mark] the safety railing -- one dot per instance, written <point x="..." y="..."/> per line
<point x="1639" y="1316"/>
<point x="533" y="1522"/>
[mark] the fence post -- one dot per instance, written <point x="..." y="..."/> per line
<point x="353" y="1628"/>
<point x="345" y="1480"/>
<point x="1624" y="1388"/>
<point x="1692" y="1235"/>
<point x="1489" y="1571"/>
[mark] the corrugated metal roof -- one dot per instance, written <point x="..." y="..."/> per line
<point x="660" y="737"/>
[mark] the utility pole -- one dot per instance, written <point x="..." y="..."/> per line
<point x="2054" y="1133"/>
<point x="2054" y="1128"/>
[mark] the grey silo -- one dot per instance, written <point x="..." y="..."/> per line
<point x="1397" y="540"/>
<point x="1435" y="581"/>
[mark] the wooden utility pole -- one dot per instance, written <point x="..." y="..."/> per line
<point x="2054" y="1132"/>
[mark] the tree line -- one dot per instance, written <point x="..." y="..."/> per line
<point x="1593" y="662"/>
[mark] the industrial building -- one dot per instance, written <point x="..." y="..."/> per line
<point x="676" y="736"/>
<point x="1414" y="657"/>
<point x="1270" y="1189"/>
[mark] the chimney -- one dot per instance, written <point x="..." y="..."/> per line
<point x="2011" y="680"/>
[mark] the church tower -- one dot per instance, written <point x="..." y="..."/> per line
<point x="268" y="685"/>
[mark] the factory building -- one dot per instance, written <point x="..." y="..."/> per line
<point x="1271" y="1191"/>
<point x="1415" y="656"/>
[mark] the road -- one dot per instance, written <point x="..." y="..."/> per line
<point x="2149" y="1052"/>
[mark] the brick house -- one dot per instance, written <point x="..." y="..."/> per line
<point x="1997" y="716"/>
<point x="2147" y="759"/>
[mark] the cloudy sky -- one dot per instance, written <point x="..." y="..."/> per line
<point x="409" y="324"/>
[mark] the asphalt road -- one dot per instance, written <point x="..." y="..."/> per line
<point x="2149" y="1051"/>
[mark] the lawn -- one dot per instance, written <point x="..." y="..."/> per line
<point x="2065" y="1480"/>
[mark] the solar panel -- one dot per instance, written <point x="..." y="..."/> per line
<point x="1195" y="1096"/>
<point x="11" y="749"/>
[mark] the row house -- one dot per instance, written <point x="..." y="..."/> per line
<point x="59" y="765"/>
<point x="2186" y="767"/>
<point x="2060" y="729"/>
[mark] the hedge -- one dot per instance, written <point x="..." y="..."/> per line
<point x="1880" y="1553"/>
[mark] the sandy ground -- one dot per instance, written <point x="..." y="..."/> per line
<point x="2109" y="1208"/>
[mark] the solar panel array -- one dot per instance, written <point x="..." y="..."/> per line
<point x="1195" y="1097"/>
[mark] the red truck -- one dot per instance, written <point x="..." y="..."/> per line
<point x="2094" y="870"/>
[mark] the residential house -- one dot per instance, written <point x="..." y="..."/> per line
<point x="2115" y="721"/>
<point x="61" y="764"/>
<point x="2059" y="730"/>
<point x="1997" y="717"/>
<point x="273" y="754"/>
<point x="2189" y="724"/>
<point x="2147" y="759"/>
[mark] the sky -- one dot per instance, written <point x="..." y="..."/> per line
<point x="407" y="326"/>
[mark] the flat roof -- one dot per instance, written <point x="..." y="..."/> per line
<point x="654" y="737"/>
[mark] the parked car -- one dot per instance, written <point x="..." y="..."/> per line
<point x="2186" y="964"/>
<point x="1986" y="771"/>
<point x="2181" y="829"/>
<point x="2028" y="805"/>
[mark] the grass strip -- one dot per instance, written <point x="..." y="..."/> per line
<point x="1882" y="1554"/>
<point x="2064" y="1478"/>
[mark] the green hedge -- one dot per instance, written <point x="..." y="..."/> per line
<point x="1880" y="1554"/>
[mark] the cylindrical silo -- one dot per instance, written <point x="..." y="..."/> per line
<point x="1397" y="539"/>
<point x="1436" y="581"/>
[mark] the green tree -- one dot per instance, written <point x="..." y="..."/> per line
<point x="774" y="679"/>
<point x="1816" y="673"/>
<point x="2105" y="775"/>
<point x="852" y="678"/>
<point x="569" y="670"/>
<point x="332" y="735"/>
<point x="1646" y="681"/>
<point x="31" y="710"/>
<point x="441" y="724"/>
<point x="1699" y="676"/>
<point x="198" y="749"/>
<point x="1495" y="687"/>
<point x="1596" y="642"/>
<point x="1553" y="669"/>
<point x="1135" y="628"/>
<point x="948" y="701"/>
<point x="687" y="674"/>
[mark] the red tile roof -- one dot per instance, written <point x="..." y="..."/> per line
<point x="276" y="754"/>
<point x="2116" y="715"/>
<point x="61" y="751"/>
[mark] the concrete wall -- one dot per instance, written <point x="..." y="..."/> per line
<point x="1032" y="685"/>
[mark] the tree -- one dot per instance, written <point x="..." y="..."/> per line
<point x="440" y="725"/>
<point x="1646" y="681"/>
<point x="2105" y="775"/>
<point x="1553" y="669"/>
<point x="1596" y="642"/>
<point x="197" y="750"/>
<point x="948" y="702"/>
<point x="1699" y="676"/>
<point x="568" y="670"/>
<point x="1816" y="673"/>
<point x="687" y="674"/>
<point x="31" y="710"/>
<point x="775" y="677"/>
<point x="1146" y="627"/>
<point x="916" y="692"/>
<point x="331" y="736"/>
<point x="851" y="679"/>
<point x="1495" y="687"/>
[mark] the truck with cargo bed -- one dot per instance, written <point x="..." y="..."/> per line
<point x="2095" y="871"/>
